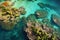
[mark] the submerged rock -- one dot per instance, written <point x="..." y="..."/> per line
<point x="41" y="13"/>
<point x="55" y="19"/>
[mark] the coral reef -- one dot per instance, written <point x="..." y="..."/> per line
<point x="46" y="20"/>
<point x="55" y="19"/>
<point x="36" y="31"/>
<point x="18" y="27"/>
<point x="41" y="13"/>
<point x="22" y="10"/>
<point x="9" y="16"/>
<point x="31" y="17"/>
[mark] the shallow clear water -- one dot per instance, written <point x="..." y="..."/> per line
<point x="31" y="7"/>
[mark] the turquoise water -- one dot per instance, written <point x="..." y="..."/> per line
<point x="30" y="7"/>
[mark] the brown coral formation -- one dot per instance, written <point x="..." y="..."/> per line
<point x="36" y="31"/>
<point x="9" y="16"/>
